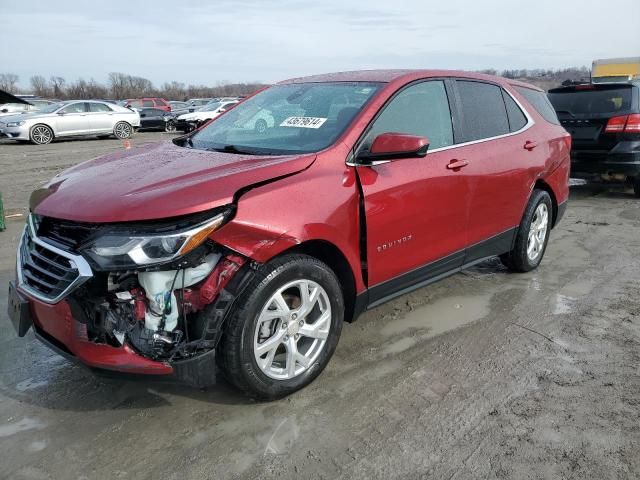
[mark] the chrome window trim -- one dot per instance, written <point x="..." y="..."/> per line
<point x="84" y="270"/>
<point x="530" y="123"/>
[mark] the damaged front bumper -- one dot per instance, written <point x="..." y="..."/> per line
<point x="105" y="326"/>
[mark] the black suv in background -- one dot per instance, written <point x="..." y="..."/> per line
<point x="604" y="123"/>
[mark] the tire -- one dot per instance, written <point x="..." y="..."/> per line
<point x="41" y="134"/>
<point x="636" y="187"/>
<point x="170" y="127"/>
<point x="260" y="126"/>
<point x="533" y="234"/>
<point x="122" y="130"/>
<point x="260" y="320"/>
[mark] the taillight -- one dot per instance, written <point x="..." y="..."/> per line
<point x="616" y="124"/>
<point x="633" y="123"/>
<point x="624" y="123"/>
<point x="567" y="141"/>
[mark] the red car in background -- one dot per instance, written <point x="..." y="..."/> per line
<point x="148" y="102"/>
<point x="246" y="249"/>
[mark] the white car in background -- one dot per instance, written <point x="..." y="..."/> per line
<point x="71" y="119"/>
<point x="190" y="121"/>
<point x="32" y="106"/>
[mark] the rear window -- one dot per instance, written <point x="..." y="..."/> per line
<point x="540" y="102"/>
<point x="593" y="101"/>
<point x="483" y="110"/>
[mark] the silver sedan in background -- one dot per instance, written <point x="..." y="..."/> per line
<point x="71" y="119"/>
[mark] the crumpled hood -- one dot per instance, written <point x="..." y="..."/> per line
<point x="159" y="180"/>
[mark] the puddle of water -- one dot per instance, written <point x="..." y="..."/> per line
<point x="37" y="446"/>
<point x="563" y="304"/>
<point x="439" y="317"/>
<point x="25" y="424"/>
<point x="401" y="345"/>
<point x="30" y="384"/>
<point x="283" y="438"/>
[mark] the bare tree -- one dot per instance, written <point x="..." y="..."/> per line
<point x="39" y="86"/>
<point x="57" y="85"/>
<point x="9" y="82"/>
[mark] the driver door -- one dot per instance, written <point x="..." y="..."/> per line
<point x="415" y="208"/>
<point x="72" y="119"/>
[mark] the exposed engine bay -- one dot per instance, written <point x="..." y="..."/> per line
<point x="165" y="313"/>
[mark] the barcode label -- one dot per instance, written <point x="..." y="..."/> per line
<point x="303" y="122"/>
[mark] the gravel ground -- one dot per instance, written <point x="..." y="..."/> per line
<point x="486" y="374"/>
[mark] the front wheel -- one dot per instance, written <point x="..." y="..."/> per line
<point x="122" y="130"/>
<point x="41" y="134"/>
<point x="533" y="234"/>
<point x="170" y="127"/>
<point x="284" y="329"/>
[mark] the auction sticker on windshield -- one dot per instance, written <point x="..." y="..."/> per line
<point x="303" y="122"/>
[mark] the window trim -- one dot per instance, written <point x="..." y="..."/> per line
<point x="351" y="162"/>
<point x="456" y="115"/>
<point x="530" y="121"/>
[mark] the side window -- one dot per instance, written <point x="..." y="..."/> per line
<point x="147" y="103"/>
<point x="483" y="111"/>
<point x="160" y="103"/>
<point x="421" y="109"/>
<point x="540" y="102"/>
<point x="75" y="108"/>
<point x="135" y="103"/>
<point x="517" y="118"/>
<point x="99" y="107"/>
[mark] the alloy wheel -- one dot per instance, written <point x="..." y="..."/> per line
<point x="292" y="329"/>
<point x="123" y="130"/>
<point x="538" y="232"/>
<point x="41" y="134"/>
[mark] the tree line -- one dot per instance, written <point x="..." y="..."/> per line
<point x="122" y="85"/>
<point x="119" y="86"/>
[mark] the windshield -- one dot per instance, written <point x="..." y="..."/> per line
<point x="292" y="118"/>
<point x="612" y="99"/>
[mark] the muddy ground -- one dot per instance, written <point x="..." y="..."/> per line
<point x="486" y="374"/>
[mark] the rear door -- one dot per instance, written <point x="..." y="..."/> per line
<point x="415" y="207"/>
<point x="101" y="117"/>
<point x="494" y="131"/>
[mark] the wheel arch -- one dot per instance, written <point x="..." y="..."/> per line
<point x="330" y="254"/>
<point x="53" y="130"/>
<point x="542" y="185"/>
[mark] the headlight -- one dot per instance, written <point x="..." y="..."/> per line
<point x="16" y="124"/>
<point x="117" y="251"/>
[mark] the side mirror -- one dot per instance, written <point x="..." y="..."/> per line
<point x="142" y="115"/>
<point x="4" y="110"/>
<point x="393" y="146"/>
<point x="61" y="113"/>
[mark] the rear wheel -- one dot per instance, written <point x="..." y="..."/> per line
<point x="122" y="130"/>
<point x="533" y="234"/>
<point x="41" y="134"/>
<point x="170" y="126"/>
<point x="284" y="328"/>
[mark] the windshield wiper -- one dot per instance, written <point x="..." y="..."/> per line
<point x="232" y="149"/>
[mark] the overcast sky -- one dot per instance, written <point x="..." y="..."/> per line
<point x="269" y="40"/>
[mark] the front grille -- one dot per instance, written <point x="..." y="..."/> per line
<point x="47" y="272"/>
<point x="66" y="234"/>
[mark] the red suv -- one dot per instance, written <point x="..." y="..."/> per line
<point x="246" y="249"/>
<point x="150" y="102"/>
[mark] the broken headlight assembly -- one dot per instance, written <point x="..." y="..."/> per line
<point x="125" y="250"/>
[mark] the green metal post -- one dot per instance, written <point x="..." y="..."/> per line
<point x="2" y="226"/>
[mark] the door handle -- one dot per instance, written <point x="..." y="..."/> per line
<point x="529" y="145"/>
<point x="456" y="164"/>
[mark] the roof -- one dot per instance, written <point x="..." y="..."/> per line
<point x="387" y="76"/>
